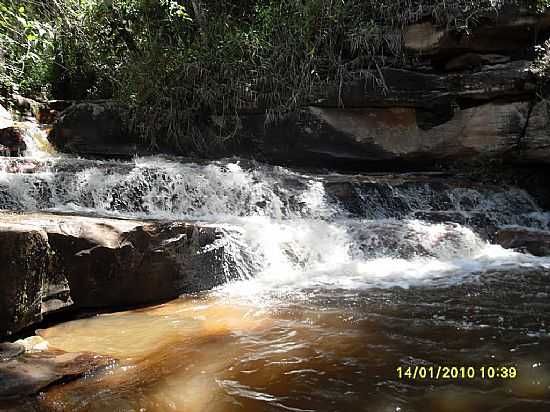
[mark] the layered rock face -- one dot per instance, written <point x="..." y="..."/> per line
<point x="395" y="134"/>
<point x="469" y="96"/>
<point x="54" y="261"/>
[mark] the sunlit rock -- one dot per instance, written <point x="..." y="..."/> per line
<point x="5" y="118"/>
<point x="107" y="262"/>
<point x="33" y="344"/>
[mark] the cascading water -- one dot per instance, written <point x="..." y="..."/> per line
<point x="289" y="226"/>
<point x="342" y="278"/>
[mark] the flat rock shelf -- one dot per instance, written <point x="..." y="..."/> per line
<point x="52" y="261"/>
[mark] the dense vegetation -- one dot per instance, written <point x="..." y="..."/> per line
<point x="178" y="60"/>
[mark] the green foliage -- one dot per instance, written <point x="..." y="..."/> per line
<point x="541" y="66"/>
<point x="271" y="56"/>
<point x="26" y="48"/>
<point x="541" y="5"/>
<point x="178" y="62"/>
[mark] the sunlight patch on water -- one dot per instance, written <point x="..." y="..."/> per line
<point x="215" y="353"/>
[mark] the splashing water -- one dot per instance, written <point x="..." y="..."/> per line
<point x="293" y="228"/>
<point x="36" y="140"/>
<point x="342" y="278"/>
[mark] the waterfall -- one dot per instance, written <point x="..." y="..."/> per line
<point x="291" y="228"/>
<point x="36" y="140"/>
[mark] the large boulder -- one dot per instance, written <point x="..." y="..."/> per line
<point x="100" y="263"/>
<point x="24" y="257"/>
<point x="111" y="262"/>
<point x="30" y="288"/>
<point x="371" y="137"/>
<point x="98" y="128"/>
<point x="511" y="31"/>
<point x="536" y="242"/>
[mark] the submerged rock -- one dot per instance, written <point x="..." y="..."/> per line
<point x="28" y="373"/>
<point x="536" y="242"/>
<point x="100" y="263"/>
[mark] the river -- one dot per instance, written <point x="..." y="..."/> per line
<point x="340" y="280"/>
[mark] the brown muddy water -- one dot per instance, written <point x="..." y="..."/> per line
<point x="238" y="349"/>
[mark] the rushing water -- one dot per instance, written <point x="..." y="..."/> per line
<point x="342" y="279"/>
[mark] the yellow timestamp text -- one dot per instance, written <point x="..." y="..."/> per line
<point x="435" y="372"/>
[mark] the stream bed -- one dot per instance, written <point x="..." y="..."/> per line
<point x="244" y="349"/>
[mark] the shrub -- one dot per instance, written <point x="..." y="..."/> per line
<point x="26" y="48"/>
<point x="177" y="62"/>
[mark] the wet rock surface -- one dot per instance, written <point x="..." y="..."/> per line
<point x="110" y="263"/>
<point x="24" y="373"/>
<point x="536" y="242"/>
<point x="55" y="261"/>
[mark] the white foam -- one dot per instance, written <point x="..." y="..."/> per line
<point x="36" y="141"/>
<point x="317" y="254"/>
<point x="283" y="231"/>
